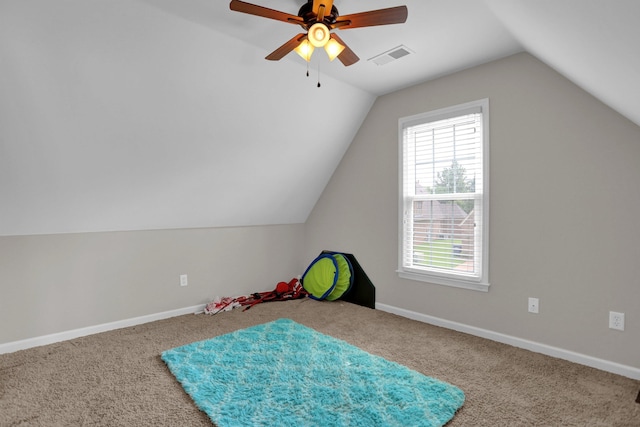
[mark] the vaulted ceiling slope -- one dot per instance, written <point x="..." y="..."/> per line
<point x="594" y="43"/>
<point x="147" y="114"/>
<point x="116" y="115"/>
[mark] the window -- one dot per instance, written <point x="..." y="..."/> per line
<point x="444" y="203"/>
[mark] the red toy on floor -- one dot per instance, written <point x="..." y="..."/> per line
<point x="283" y="292"/>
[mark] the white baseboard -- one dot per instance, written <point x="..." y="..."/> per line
<point x="90" y="330"/>
<point x="604" y="365"/>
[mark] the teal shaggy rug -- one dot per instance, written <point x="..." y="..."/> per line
<point x="282" y="373"/>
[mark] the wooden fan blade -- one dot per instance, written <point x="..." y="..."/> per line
<point x="265" y="12"/>
<point x="347" y="56"/>
<point x="283" y="50"/>
<point x="392" y="15"/>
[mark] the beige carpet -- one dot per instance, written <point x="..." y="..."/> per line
<point x="117" y="378"/>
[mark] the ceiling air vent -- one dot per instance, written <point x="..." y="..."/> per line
<point x="391" y="55"/>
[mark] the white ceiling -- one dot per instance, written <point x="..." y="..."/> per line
<point x="445" y="35"/>
<point x="592" y="42"/>
<point x="146" y="114"/>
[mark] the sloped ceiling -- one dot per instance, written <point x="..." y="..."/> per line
<point x="116" y="115"/>
<point x="148" y="114"/>
<point x="594" y="43"/>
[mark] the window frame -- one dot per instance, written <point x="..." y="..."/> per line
<point x="479" y="282"/>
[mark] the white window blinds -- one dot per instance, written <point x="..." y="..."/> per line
<point x="443" y="186"/>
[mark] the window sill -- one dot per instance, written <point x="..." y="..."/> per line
<point x="445" y="281"/>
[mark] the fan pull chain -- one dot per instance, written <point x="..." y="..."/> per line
<point x="318" y="75"/>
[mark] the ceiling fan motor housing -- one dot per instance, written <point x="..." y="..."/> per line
<point x="310" y="18"/>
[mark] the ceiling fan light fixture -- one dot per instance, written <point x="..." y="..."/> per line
<point x="318" y="34"/>
<point x="333" y="49"/>
<point x="305" y="50"/>
<point x="318" y="18"/>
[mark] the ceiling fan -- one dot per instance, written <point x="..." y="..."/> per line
<point x="318" y="18"/>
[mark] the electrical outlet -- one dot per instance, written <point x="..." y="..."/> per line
<point x="183" y="280"/>
<point x="616" y="320"/>
<point x="534" y="305"/>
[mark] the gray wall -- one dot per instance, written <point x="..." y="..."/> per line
<point x="58" y="283"/>
<point x="564" y="228"/>
<point x="565" y="210"/>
